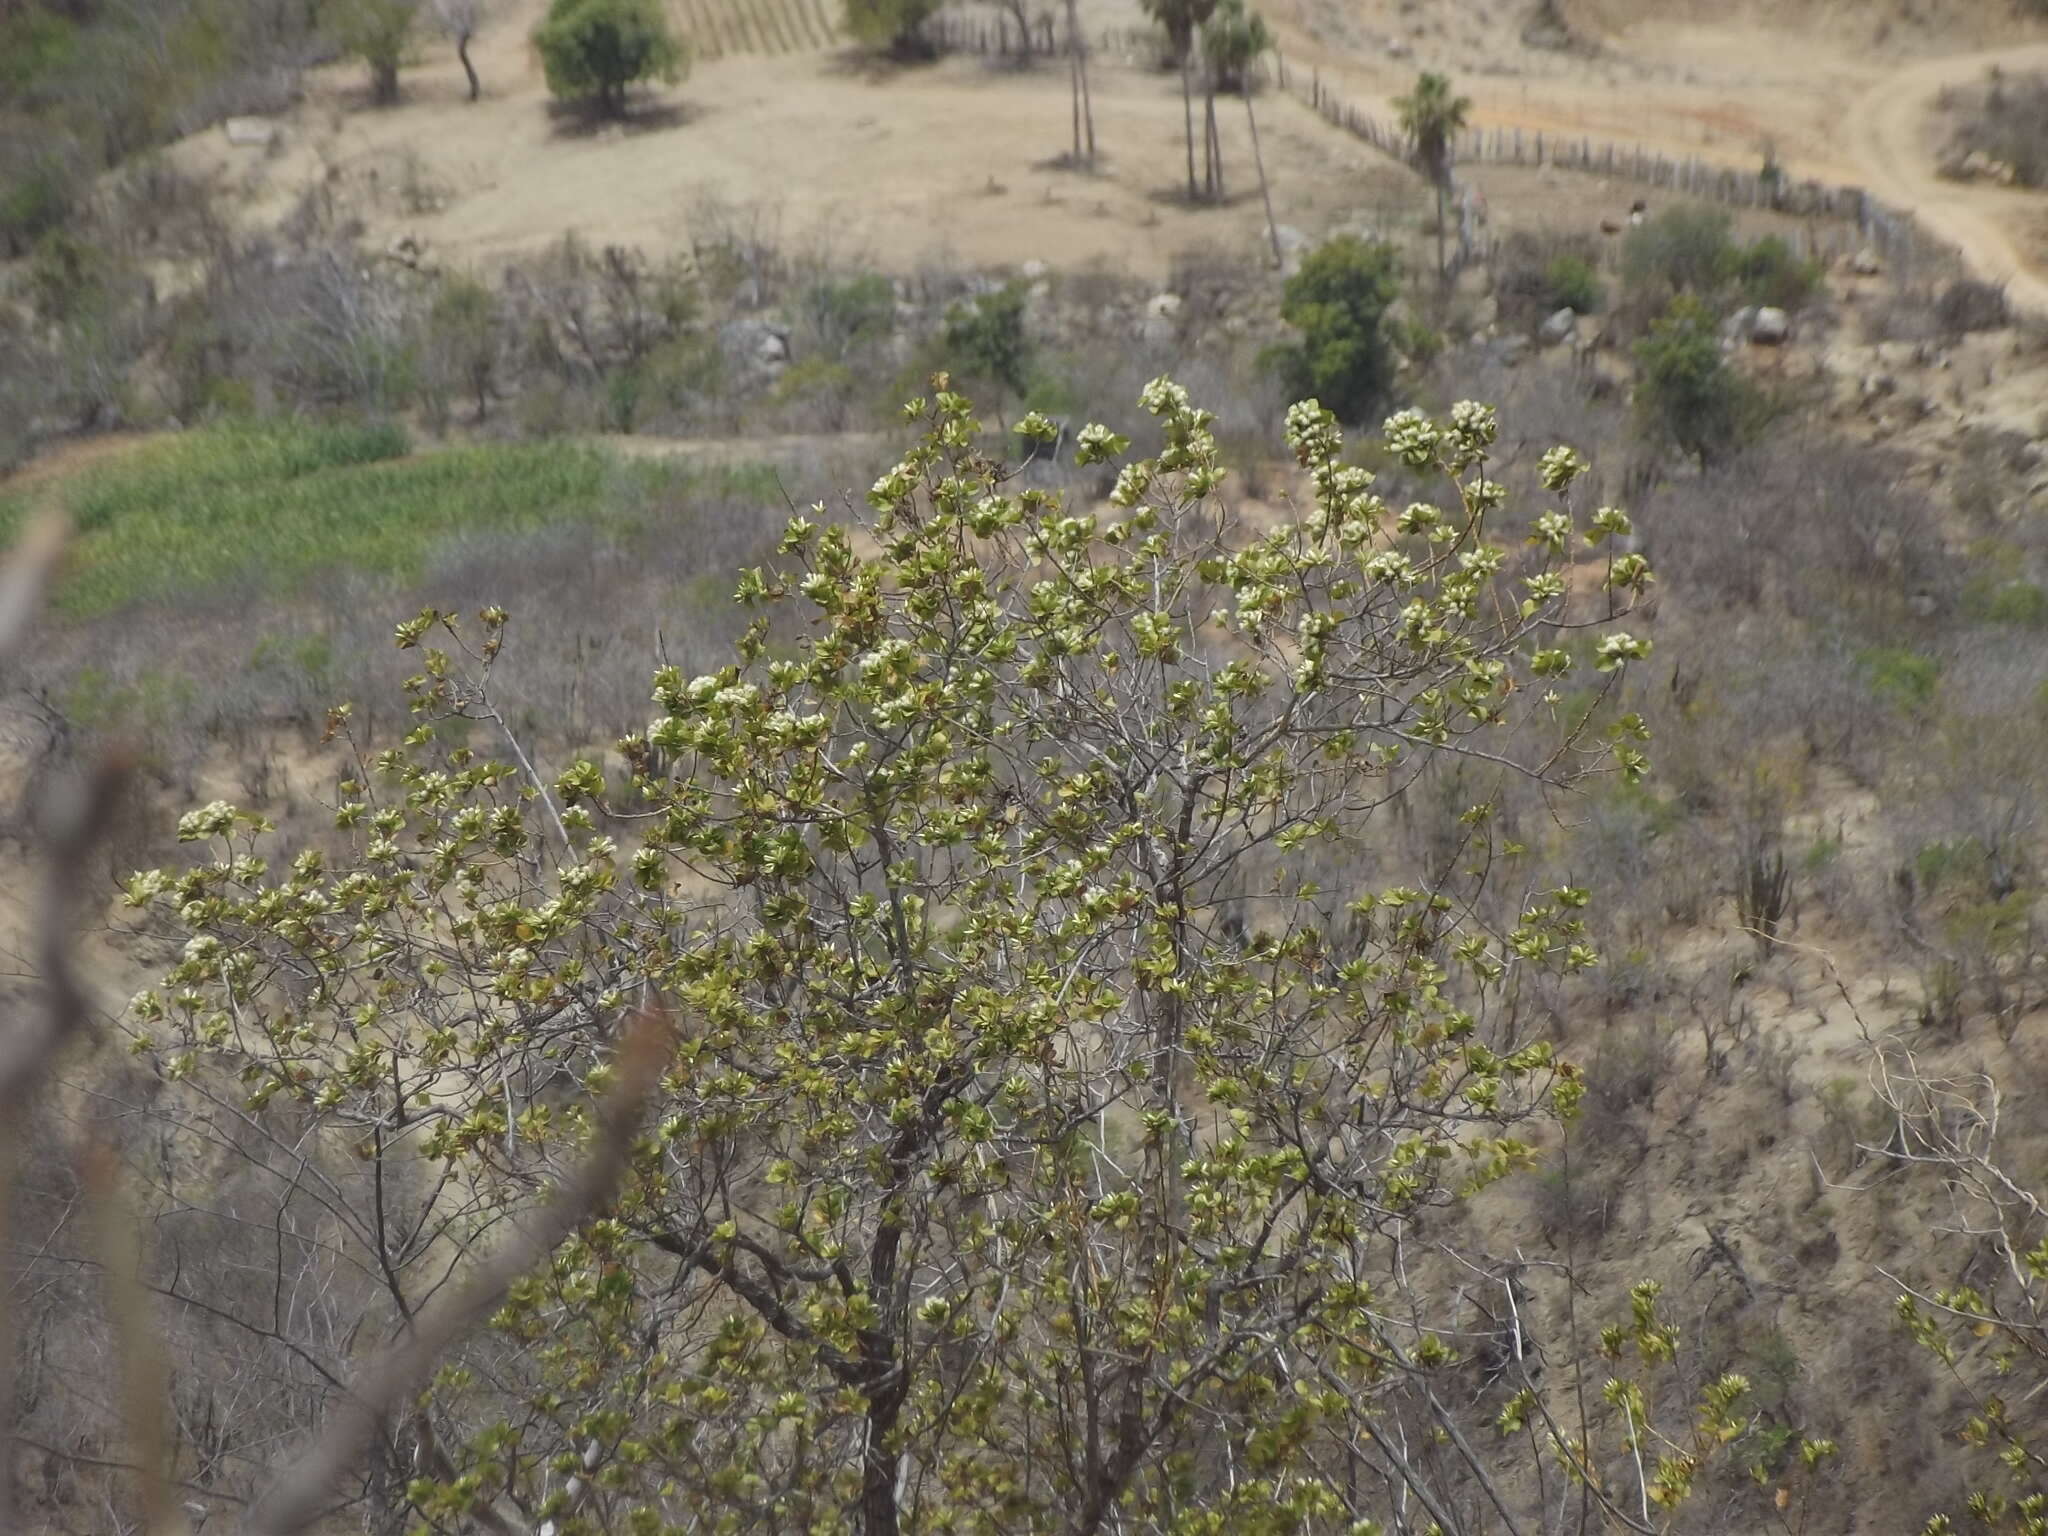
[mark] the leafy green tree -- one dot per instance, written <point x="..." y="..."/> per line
<point x="1684" y="249"/>
<point x="595" y="49"/>
<point x="463" y="338"/>
<point x="1685" y="390"/>
<point x="894" y="25"/>
<point x="1339" y="301"/>
<point x="1433" y="117"/>
<point x="1574" y="281"/>
<point x="989" y="340"/>
<point x="1046" y="1144"/>
<point x="377" y="32"/>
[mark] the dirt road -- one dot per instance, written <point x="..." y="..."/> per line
<point x="1886" y="131"/>
<point x="1721" y="83"/>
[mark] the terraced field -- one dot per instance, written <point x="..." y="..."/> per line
<point x="719" y="28"/>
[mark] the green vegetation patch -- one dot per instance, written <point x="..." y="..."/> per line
<point x="265" y="508"/>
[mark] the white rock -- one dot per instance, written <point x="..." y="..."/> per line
<point x="1034" y="270"/>
<point x="1771" y="327"/>
<point x="1162" y="306"/>
<point x="250" y="132"/>
<point x="1559" y="327"/>
<point x="1865" y="263"/>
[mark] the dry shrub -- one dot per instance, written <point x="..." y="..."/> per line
<point x="1968" y="305"/>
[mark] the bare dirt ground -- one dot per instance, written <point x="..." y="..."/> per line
<point x="949" y="163"/>
<point x="1839" y="92"/>
<point x="953" y="163"/>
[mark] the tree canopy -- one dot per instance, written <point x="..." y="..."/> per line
<point x="1233" y="41"/>
<point x="1339" y="301"/>
<point x="1686" y="391"/>
<point x="896" y="25"/>
<point x="1057" y="1090"/>
<point x="1433" y="115"/>
<point x="595" y="49"/>
<point x="377" y="32"/>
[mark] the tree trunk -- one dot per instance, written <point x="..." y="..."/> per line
<point x="1074" y="79"/>
<point x="878" y="1512"/>
<point x="1087" y="100"/>
<point x="1084" y="108"/>
<point x="1442" y="269"/>
<point x="1213" y="146"/>
<point x="383" y="82"/>
<point x="1265" y="193"/>
<point x="1187" y="110"/>
<point x="469" y="69"/>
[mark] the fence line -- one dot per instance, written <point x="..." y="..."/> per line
<point x="997" y="35"/>
<point x="1858" y="220"/>
<point x="1892" y="234"/>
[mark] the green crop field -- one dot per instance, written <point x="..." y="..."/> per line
<point x="264" y="510"/>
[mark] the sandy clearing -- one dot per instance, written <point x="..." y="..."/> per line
<point x="1840" y="92"/>
<point x="945" y="164"/>
<point x="950" y="165"/>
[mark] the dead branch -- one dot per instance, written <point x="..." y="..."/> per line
<point x="302" y="1495"/>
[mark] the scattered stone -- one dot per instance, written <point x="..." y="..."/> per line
<point x="1162" y="319"/>
<point x="251" y="132"/>
<point x="757" y="340"/>
<point x="1511" y="350"/>
<point x="1034" y="271"/>
<point x="1770" y="327"/>
<point x="1559" y="327"/>
<point x="1865" y="263"/>
<point x="1293" y="246"/>
<point x="407" y="249"/>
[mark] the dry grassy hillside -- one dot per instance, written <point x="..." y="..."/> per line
<point x="1943" y="24"/>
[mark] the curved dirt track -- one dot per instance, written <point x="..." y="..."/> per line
<point x="1885" y="131"/>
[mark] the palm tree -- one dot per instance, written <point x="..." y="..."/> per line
<point x="1182" y="20"/>
<point x="1233" y="42"/>
<point x="1432" y="118"/>
<point x="1084" y="105"/>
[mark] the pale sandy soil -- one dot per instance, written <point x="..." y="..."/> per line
<point x="1842" y="92"/>
<point x="951" y="163"/>
<point x="946" y="163"/>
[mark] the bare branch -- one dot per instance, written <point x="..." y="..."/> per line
<point x="301" y="1497"/>
<point x="145" y="1381"/>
